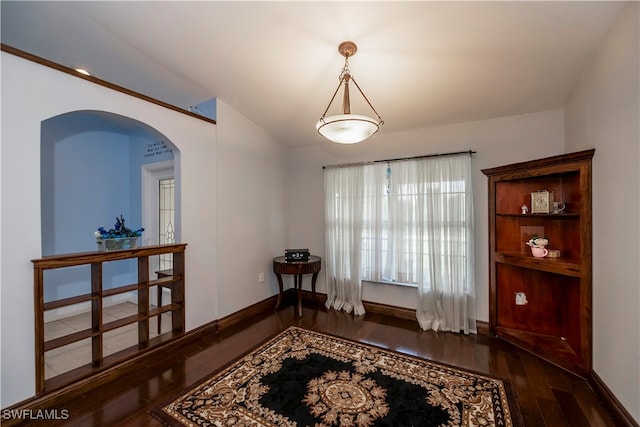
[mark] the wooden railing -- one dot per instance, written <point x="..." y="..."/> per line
<point x="95" y="297"/>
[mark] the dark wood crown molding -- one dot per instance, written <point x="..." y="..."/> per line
<point x="103" y="83"/>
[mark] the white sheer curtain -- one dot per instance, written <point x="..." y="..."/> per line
<point x="344" y="204"/>
<point x="408" y="222"/>
<point x="431" y="225"/>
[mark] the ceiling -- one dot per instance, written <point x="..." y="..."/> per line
<point x="421" y="64"/>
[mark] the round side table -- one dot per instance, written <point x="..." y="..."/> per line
<point x="297" y="269"/>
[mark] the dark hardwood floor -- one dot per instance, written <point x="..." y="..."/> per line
<point x="547" y="395"/>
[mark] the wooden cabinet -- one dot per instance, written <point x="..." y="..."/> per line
<point x="99" y="325"/>
<point x="553" y="315"/>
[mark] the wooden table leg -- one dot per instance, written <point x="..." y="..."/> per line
<point x="298" y="285"/>
<point x="313" y="286"/>
<point x="313" y="282"/>
<point x="280" y="287"/>
<point x="159" y="298"/>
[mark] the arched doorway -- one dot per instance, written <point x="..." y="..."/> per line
<point x="92" y="167"/>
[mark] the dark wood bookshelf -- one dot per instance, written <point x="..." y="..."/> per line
<point x="556" y="321"/>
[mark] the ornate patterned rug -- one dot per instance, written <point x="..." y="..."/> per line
<point x="306" y="378"/>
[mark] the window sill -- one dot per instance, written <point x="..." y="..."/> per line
<point x="391" y="283"/>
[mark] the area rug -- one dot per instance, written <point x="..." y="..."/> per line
<point x="306" y="378"/>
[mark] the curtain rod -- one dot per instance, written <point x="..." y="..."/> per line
<point x="346" y="165"/>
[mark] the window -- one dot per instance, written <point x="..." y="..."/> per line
<point x="415" y="214"/>
<point x="393" y="245"/>
<point x="396" y="231"/>
<point x="166" y="211"/>
<point x="407" y="222"/>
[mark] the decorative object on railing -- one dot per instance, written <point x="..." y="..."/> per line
<point x="117" y="238"/>
<point x="117" y="244"/>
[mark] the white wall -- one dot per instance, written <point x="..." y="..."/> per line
<point x="497" y="141"/>
<point x="32" y="93"/>
<point x="244" y="198"/>
<point x="251" y="194"/>
<point x="604" y="112"/>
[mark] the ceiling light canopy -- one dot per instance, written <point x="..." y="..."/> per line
<point x="347" y="128"/>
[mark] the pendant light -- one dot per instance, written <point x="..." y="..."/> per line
<point x="347" y="128"/>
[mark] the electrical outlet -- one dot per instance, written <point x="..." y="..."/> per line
<point x="261" y="278"/>
<point x="521" y="298"/>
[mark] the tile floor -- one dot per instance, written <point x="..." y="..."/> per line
<point x="71" y="356"/>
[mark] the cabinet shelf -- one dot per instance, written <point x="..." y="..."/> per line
<point x="166" y="281"/>
<point x="555" y="321"/>
<point x="120" y="290"/>
<point x="99" y="325"/>
<point x="550" y="265"/>
<point x="115" y="324"/>
<point x="88" y="369"/>
<point x="69" y="301"/>
<point x="553" y="348"/>
<point x="568" y="215"/>
<point x="164" y="309"/>
<point x="70" y="338"/>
